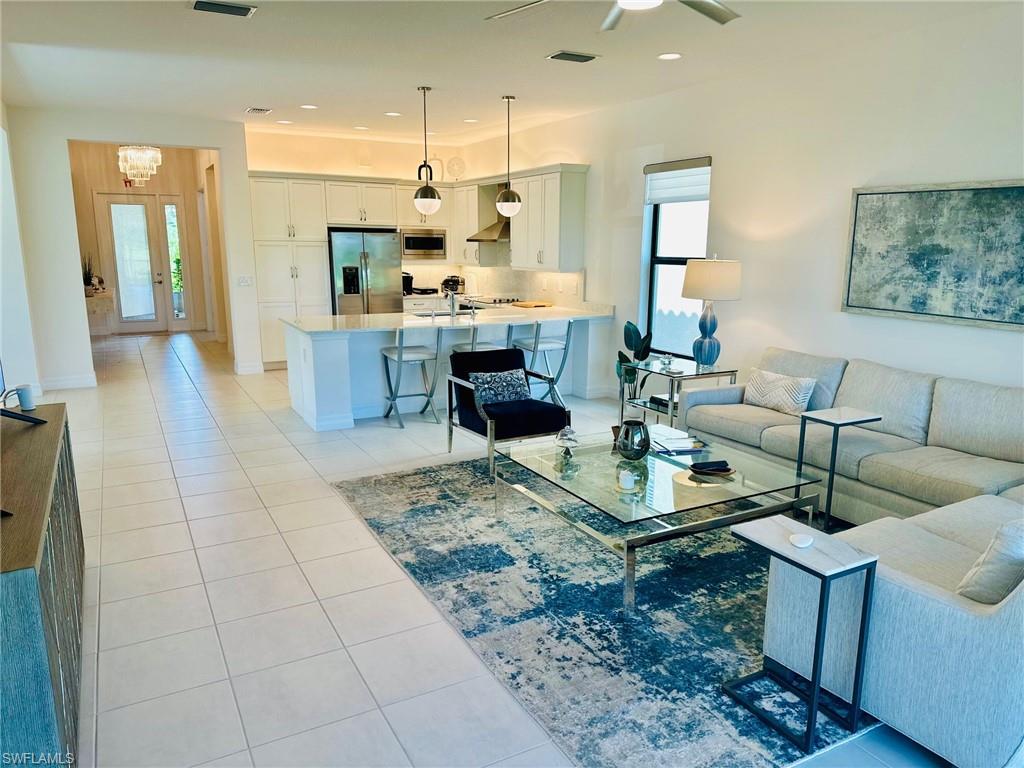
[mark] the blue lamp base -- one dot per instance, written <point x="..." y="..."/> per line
<point x="706" y="347"/>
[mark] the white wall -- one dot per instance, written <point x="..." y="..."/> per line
<point x="939" y="103"/>
<point x="46" y="211"/>
<point x="17" y="348"/>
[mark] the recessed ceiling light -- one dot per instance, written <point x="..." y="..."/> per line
<point x="670" y="56"/>
<point x="285" y="122"/>
<point x="360" y="127"/>
<point x="308" y="106"/>
<point x="471" y="120"/>
<point x="392" y="114"/>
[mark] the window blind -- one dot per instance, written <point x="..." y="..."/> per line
<point x="679" y="181"/>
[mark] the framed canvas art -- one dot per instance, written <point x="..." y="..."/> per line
<point x="949" y="253"/>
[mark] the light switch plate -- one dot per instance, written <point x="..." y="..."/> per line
<point x="245" y="281"/>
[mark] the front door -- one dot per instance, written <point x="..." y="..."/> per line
<point x="140" y="256"/>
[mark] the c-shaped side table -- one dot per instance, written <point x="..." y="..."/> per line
<point x="835" y="418"/>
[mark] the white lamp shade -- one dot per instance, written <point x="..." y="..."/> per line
<point x="508" y="203"/>
<point x="712" y="280"/>
<point x="427" y="200"/>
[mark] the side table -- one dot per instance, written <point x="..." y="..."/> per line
<point x="835" y="418"/>
<point x="827" y="559"/>
<point x="678" y="371"/>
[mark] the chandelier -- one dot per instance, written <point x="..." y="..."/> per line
<point x="138" y="163"/>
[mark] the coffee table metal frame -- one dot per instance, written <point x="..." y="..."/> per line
<point x="627" y="547"/>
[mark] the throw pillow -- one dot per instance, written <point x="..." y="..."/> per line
<point x="1000" y="568"/>
<point x="500" y="387"/>
<point x="788" y="394"/>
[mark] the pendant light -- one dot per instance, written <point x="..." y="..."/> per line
<point x="508" y="201"/>
<point x="427" y="199"/>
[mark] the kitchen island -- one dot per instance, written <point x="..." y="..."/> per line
<point x="336" y="370"/>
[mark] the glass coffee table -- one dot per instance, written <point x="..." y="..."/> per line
<point x="667" y="500"/>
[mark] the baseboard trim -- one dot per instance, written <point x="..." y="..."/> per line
<point x="77" y="381"/>
<point x="594" y="393"/>
<point x="244" y="369"/>
<point x="337" y="422"/>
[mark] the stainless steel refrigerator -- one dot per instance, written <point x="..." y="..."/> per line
<point x="366" y="271"/>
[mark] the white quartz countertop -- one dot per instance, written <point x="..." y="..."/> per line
<point x="321" y="324"/>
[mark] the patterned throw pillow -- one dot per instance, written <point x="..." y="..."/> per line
<point x="788" y="394"/>
<point x="501" y="387"/>
<point x="999" y="569"/>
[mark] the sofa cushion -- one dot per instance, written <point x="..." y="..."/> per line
<point x="522" y="418"/>
<point x="999" y="570"/>
<point x="743" y="423"/>
<point x="982" y="419"/>
<point x="1016" y="493"/>
<point x="785" y="394"/>
<point x="913" y="550"/>
<point x="854" y="444"/>
<point x="826" y="371"/>
<point x="902" y="398"/>
<point x="972" y="522"/>
<point x="939" y="475"/>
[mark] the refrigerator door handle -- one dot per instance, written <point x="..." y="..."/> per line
<point x="365" y="264"/>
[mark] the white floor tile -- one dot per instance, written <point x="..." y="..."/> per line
<point x="481" y="724"/>
<point x="145" y="542"/>
<point x="258" y="442"/>
<point x="419" y="660"/>
<point x="339" y="574"/>
<point x="193" y="436"/>
<point x="205" y="465"/>
<point x="151" y="616"/>
<point x="279" y="473"/>
<point x="303" y="514"/>
<point x="384" y="610"/>
<point x="142" y="734"/>
<point x="154" y="668"/>
<point x="91" y="523"/>
<point x="362" y="741"/>
<point x="137" y="474"/>
<point x="240" y="557"/>
<point x="295" y="697"/>
<point x="198" y="450"/>
<point x="222" y="503"/>
<point x="208" y="531"/>
<point x="544" y="756"/>
<point x="139" y="493"/>
<point x="236" y="760"/>
<point x="276" y="494"/>
<point x="153" y="574"/>
<point x="260" y="592"/>
<point x="134" y="516"/>
<point x="91" y="553"/>
<point x="332" y="539"/>
<point x="268" y="457"/>
<point x="216" y="482"/>
<point x="275" y="638"/>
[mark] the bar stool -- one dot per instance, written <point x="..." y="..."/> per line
<point x="475" y="346"/>
<point x="400" y="354"/>
<point x="544" y="346"/>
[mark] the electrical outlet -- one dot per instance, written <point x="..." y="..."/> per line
<point x="544" y="284"/>
<point x="245" y="281"/>
<point x="575" y="287"/>
<point x="561" y="286"/>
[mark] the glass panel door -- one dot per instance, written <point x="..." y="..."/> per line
<point x="134" y="268"/>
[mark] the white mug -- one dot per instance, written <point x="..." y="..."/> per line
<point x="26" y="399"/>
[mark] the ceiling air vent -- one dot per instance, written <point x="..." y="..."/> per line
<point x="228" y="9"/>
<point x="579" y="58"/>
<point x="258" y="110"/>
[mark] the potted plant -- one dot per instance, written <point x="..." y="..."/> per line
<point x="640" y="347"/>
<point x="87" y="277"/>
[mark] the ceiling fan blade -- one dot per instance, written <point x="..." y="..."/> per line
<point x="611" y="21"/>
<point x="517" y="9"/>
<point x="713" y="9"/>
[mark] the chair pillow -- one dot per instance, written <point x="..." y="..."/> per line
<point x="1000" y="568"/>
<point x="787" y="394"/>
<point x="501" y="387"/>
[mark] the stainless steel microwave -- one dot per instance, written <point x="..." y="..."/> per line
<point x="423" y="244"/>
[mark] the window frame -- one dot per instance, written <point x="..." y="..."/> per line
<point x="654" y="261"/>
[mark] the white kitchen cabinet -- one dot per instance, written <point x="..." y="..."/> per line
<point x="288" y="209"/>
<point x="547" y="235"/>
<point x="424" y="304"/>
<point x="292" y="279"/>
<point x="408" y="216"/>
<point x="465" y="223"/>
<point x="355" y="203"/>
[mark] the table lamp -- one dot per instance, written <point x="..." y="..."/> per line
<point x="711" y="280"/>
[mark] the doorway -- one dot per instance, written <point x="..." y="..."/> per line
<point x="142" y="246"/>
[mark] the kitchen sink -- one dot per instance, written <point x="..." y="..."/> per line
<point x="444" y="313"/>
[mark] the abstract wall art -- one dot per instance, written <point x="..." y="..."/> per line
<point x="950" y="253"/>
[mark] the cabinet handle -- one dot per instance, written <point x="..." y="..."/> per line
<point x="539" y="259"/>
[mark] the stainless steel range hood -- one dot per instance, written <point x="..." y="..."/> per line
<point x="498" y="232"/>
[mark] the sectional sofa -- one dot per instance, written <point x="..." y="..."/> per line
<point x="929" y="486"/>
<point x="940" y="440"/>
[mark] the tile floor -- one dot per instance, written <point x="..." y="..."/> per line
<point x="238" y="613"/>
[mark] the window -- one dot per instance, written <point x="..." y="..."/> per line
<point x="174" y="256"/>
<point x="678" y="194"/>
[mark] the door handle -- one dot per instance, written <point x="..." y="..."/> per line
<point x="158" y="282"/>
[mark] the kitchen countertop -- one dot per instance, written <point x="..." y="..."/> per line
<point x="328" y="324"/>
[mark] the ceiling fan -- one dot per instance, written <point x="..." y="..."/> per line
<point x="713" y="9"/>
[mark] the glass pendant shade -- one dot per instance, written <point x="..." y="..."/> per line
<point x="508" y="203"/>
<point x="427" y="200"/>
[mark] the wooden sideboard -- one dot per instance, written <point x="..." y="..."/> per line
<point x="41" y="571"/>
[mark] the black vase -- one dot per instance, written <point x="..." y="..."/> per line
<point x="634" y="440"/>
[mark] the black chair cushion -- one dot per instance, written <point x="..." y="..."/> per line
<point x="522" y="418"/>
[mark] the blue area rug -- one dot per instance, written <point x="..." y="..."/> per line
<point x="542" y="605"/>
